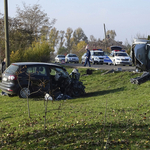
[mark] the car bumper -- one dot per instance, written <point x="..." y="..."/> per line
<point x="123" y="63"/>
<point x="8" y="88"/>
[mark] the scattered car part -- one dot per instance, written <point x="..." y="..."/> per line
<point x="143" y="78"/>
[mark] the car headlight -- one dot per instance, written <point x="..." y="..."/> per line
<point x="117" y="59"/>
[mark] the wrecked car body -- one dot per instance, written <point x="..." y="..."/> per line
<point x="140" y="53"/>
<point x="37" y="78"/>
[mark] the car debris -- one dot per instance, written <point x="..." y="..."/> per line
<point x="143" y="78"/>
<point x="140" y="53"/>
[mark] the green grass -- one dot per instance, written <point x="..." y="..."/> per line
<point x="113" y="114"/>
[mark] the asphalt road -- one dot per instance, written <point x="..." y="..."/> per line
<point x="103" y="67"/>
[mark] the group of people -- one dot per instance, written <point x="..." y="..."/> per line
<point x="88" y="55"/>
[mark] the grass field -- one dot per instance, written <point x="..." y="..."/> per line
<point x="113" y="114"/>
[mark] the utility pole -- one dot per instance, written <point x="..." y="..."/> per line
<point x="105" y="36"/>
<point x="6" y="33"/>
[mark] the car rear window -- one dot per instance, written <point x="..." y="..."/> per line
<point x="12" y="69"/>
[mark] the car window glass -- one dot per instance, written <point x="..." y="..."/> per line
<point x="52" y="72"/>
<point x="37" y="70"/>
<point x="11" y="69"/>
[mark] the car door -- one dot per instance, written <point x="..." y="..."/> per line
<point x="39" y="78"/>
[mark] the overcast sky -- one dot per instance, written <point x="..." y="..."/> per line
<point x="127" y="17"/>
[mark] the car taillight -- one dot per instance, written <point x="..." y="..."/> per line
<point x="12" y="77"/>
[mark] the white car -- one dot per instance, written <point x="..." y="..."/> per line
<point x="120" y="58"/>
<point x="60" y="59"/>
<point x="71" y="58"/>
<point x="97" y="56"/>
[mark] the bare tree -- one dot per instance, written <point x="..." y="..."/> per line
<point x="68" y="39"/>
<point x="111" y="33"/>
<point x="61" y="37"/>
<point x="33" y="19"/>
<point x="92" y="38"/>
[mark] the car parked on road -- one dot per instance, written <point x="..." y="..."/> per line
<point x="36" y="78"/>
<point x="83" y="58"/>
<point x="71" y="58"/>
<point x="97" y="56"/>
<point x="120" y="57"/>
<point x="60" y="59"/>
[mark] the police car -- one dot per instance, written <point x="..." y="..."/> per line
<point x="97" y="56"/>
<point x="119" y="56"/>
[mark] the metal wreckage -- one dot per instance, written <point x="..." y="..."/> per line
<point x="140" y="53"/>
<point x="68" y="86"/>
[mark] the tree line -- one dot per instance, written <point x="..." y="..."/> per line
<point x="33" y="37"/>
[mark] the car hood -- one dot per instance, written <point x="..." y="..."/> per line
<point x="122" y="57"/>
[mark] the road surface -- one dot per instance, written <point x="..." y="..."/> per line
<point x="103" y="67"/>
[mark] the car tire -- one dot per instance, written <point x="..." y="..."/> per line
<point x="24" y="92"/>
<point x="93" y="62"/>
<point x="114" y="63"/>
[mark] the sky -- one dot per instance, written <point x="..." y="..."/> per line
<point x="128" y="18"/>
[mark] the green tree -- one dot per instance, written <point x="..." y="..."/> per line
<point x="53" y="38"/>
<point x="62" y="50"/>
<point x="79" y="35"/>
<point x="69" y="42"/>
<point x="37" y="52"/>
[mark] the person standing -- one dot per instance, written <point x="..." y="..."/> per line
<point x="88" y="55"/>
<point x="3" y="65"/>
<point x="3" y="69"/>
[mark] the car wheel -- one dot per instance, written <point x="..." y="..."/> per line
<point x="114" y="63"/>
<point x="93" y="62"/>
<point x="24" y="92"/>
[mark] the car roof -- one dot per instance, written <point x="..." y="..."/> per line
<point x="36" y="63"/>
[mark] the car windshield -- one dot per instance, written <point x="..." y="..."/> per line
<point x="121" y="54"/>
<point x="98" y="54"/>
<point x="72" y="55"/>
<point x="61" y="56"/>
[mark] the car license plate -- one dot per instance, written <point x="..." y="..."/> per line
<point x="4" y="79"/>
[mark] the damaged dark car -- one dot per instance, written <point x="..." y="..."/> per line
<point x="37" y="78"/>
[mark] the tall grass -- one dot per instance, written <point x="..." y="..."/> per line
<point x="113" y="114"/>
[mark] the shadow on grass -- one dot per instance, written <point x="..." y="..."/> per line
<point x="82" y="136"/>
<point x="104" y="92"/>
